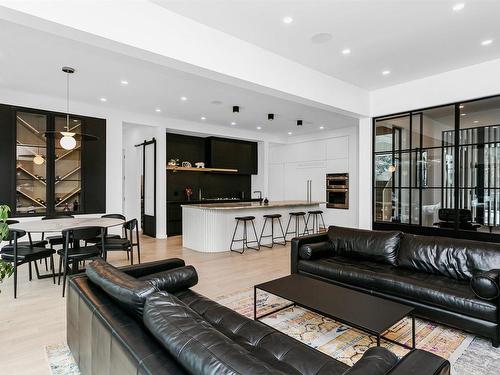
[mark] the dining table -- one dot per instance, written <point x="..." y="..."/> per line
<point x="62" y="224"/>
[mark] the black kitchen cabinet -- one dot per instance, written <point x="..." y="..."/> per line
<point x="232" y="153"/>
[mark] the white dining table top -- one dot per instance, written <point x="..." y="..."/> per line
<point x="58" y="225"/>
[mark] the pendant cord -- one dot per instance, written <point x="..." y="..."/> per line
<point x="67" y="101"/>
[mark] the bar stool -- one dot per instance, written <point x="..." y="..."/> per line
<point x="244" y="239"/>
<point x="296" y="216"/>
<point x="272" y="217"/>
<point x="316" y="215"/>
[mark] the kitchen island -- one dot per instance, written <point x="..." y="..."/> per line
<point x="209" y="227"/>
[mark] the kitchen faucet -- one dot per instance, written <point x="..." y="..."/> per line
<point x="260" y="194"/>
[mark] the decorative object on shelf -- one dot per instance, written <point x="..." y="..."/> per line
<point x="186" y="164"/>
<point x="188" y="191"/>
<point x="6" y="269"/>
<point x="68" y="141"/>
<point x="66" y="207"/>
<point x="76" y="205"/>
<point x="173" y="162"/>
<point x="266" y="201"/>
<point x="200" y="164"/>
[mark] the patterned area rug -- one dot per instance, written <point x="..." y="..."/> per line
<point x="342" y="342"/>
<point x="468" y="356"/>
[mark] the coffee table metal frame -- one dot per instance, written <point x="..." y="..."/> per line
<point x="378" y="335"/>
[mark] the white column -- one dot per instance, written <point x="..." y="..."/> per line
<point x="365" y="173"/>
<point x="114" y="173"/>
<point x="161" y="181"/>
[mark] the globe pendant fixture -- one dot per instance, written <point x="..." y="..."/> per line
<point x="68" y="141"/>
<point x="38" y="159"/>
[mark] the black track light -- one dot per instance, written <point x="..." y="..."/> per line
<point x="299" y="122"/>
<point x="236" y="109"/>
<point x="270" y="116"/>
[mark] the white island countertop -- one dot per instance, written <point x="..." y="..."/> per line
<point x="209" y="227"/>
<point x="250" y="205"/>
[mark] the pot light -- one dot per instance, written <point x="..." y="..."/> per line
<point x="259" y="127"/>
<point x="233" y="123"/>
<point x="321" y="127"/>
<point x="124" y="82"/>
<point x="386" y="72"/>
<point x="103" y="100"/>
<point x="486" y="42"/>
<point x="458" y="7"/>
<point x="463" y="114"/>
<point x="346" y="51"/>
<point x="290" y="133"/>
<point x="183" y="98"/>
<point x="203" y="118"/>
<point x="476" y="121"/>
<point x="287" y="20"/>
<point x="158" y="110"/>
<point x="461" y="106"/>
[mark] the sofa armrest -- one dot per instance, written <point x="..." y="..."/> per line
<point x="312" y="251"/>
<point x="420" y="362"/>
<point x="486" y="285"/>
<point x="174" y="280"/>
<point x="144" y="269"/>
<point x="299" y="241"/>
<point x="375" y="361"/>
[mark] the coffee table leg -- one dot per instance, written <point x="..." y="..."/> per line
<point x="413" y="331"/>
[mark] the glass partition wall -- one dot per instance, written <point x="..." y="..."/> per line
<point x="437" y="171"/>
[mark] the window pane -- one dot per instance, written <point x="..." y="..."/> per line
<point x="31" y="164"/>
<point x="438" y="208"/>
<point x="438" y="127"/>
<point x="392" y="134"/>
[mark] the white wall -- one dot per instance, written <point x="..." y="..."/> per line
<point x="311" y="158"/>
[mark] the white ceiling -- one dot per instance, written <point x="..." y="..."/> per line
<point x="31" y="61"/>
<point x="411" y="38"/>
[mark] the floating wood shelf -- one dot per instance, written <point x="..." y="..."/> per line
<point x="30" y="198"/>
<point x="32" y="175"/>
<point x="61" y="179"/>
<point x="193" y="169"/>
<point x="67" y="153"/>
<point x="67" y="196"/>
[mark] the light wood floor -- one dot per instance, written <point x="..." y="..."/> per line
<point x="38" y="318"/>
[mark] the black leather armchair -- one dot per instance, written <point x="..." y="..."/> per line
<point x="450" y="281"/>
<point x="183" y="332"/>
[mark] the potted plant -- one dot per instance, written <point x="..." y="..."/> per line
<point x="6" y="269"/>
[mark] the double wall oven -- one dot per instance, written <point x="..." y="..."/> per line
<point x="337" y="190"/>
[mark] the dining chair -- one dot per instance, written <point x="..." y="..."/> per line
<point x="57" y="239"/>
<point x="72" y="253"/>
<point x="126" y="243"/>
<point x="21" y="254"/>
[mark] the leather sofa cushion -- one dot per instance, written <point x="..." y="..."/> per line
<point x="454" y="258"/>
<point x="173" y="280"/>
<point x="196" y="345"/>
<point x="129" y="292"/>
<point x="278" y="350"/>
<point x="378" y="246"/>
<point x="436" y="290"/>
<point x="316" y="250"/>
<point x="376" y="361"/>
<point x="485" y="284"/>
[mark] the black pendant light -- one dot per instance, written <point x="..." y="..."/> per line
<point x="270" y="116"/>
<point x="68" y="137"/>
<point x="299" y="122"/>
<point x="236" y="109"/>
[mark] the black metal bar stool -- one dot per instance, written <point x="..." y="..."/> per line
<point x="316" y="216"/>
<point x="244" y="239"/>
<point x="272" y="217"/>
<point x="296" y="216"/>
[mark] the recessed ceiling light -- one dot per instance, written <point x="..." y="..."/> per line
<point x="203" y="118"/>
<point x="461" y="106"/>
<point x="321" y="38"/>
<point x="158" y="110"/>
<point x="475" y="121"/>
<point x="183" y="98"/>
<point x="458" y="7"/>
<point x="103" y="100"/>
<point x="124" y="82"/>
<point x="386" y="72"/>
<point x="346" y="51"/>
<point x="287" y="20"/>
<point x="463" y="114"/>
<point x="290" y="133"/>
<point x="321" y="127"/>
<point x="216" y="102"/>
<point x="259" y="127"/>
<point x="486" y="42"/>
<point x="233" y="123"/>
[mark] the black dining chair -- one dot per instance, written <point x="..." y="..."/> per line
<point x="21" y="254"/>
<point x="57" y="239"/>
<point x="72" y="253"/>
<point x="106" y="235"/>
<point x="126" y="243"/>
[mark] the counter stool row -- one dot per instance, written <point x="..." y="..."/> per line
<point x="315" y="216"/>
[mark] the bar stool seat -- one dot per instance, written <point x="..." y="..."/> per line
<point x="299" y="213"/>
<point x="244" y="239"/>
<point x="315" y="212"/>
<point x="272" y="217"/>
<point x="296" y="216"/>
<point x="316" y="216"/>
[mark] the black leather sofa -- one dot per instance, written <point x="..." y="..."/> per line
<point x="144" y="319"/>
<point x="450" y="281"/>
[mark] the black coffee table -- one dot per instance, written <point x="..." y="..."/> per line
<point x="370" y="314"/>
